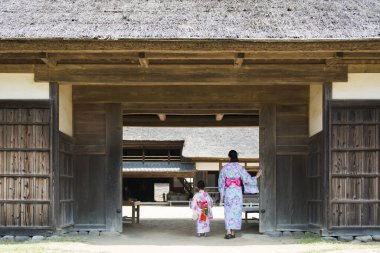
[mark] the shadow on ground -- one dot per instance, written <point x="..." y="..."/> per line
<point x="183" y="232"/>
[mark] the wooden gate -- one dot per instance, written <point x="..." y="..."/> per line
<point x="283" y="158"/>
<point x="25" y="171"/>
<point x="354" y="166"/>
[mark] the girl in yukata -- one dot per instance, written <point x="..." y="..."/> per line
<point x="231" y="178"/>
<point x="201" y="205"/>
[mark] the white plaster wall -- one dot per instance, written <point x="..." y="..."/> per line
<point x="66" y="109"/>
<point x="207" y="166"/>
<point x="359" y="86"/>
<point x="315" y="109"/>
<point x="22" y="86"/>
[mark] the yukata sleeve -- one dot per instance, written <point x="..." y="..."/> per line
<point x="222" y="184"/>
<point x="194" y="208"/>
<point x="210" y="204"/>
<point x="249" y="182"/>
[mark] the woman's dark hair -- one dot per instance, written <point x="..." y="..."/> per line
<point x="201" y="185"/>
<point x="233" y="155"/>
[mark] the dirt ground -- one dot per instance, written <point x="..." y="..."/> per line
<point x="172" y="231"/>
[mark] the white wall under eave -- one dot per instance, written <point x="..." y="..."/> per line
<point x="315" y="109"/>
<point x="207" y="166"/>
<point x="22" y="86"/>
<point x="66" y="109"/>
<point x="359" y="86"/>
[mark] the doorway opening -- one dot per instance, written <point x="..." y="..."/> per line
<point x="161" y="165"/>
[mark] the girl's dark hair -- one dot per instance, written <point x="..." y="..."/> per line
<point x="201" y="185"/>
<point x="233" y="155"/>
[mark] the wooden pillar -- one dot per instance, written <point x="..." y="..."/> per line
<point x="327" y="96"/>
<point x="268" y="165"/>
<point x="114" y="139"/>
<point x="54" y="154"/>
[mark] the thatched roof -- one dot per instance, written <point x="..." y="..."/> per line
<point x="202" y="19"/>
<point x="202" y="142"/>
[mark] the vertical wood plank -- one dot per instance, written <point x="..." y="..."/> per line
<point x="284" y="198"/>
<point x="2" y="139"/>
<point x="268" y="165"/>
<point x="114" y="138"/>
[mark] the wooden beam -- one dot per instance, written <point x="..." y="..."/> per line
<point x="364" y="68"/>
<point x="190" y="55"/>
<point x="333" y="61"/>
<point x="361" y="55"/>
<point x="49" y="60"/>
<point x="219" y="117"/>
<point x="162" y="116"/>
<point x="134" y="56"/>
<point x="288" y="55"/>
<point x="239" y="59"/>
<point x="21" y="56"/>
<point x="144" y="62"/>
<point x="16" y="68"/>
<point x="50" y="46"/>
<point x="192" y="98"/>
<point x="163" y="174"/>
<point x="162" y="144"/>
<point x="190" y="121"/>
<point x="195" y="109"/>
<point x="167" y="75"/>
<point x="63" y="56"/>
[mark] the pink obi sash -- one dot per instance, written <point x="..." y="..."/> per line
<point x="204" y="206"/>
<point x="231" y="181"/>
<point x="202" y="203"/>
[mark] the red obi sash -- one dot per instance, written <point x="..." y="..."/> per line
<point x="204" y="206"/>
<point x="231" y="181"/>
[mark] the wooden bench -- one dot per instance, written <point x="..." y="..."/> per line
<point x="250" y="205"/>
<point x="171" y="202"/>
<point x="135" y="209"/>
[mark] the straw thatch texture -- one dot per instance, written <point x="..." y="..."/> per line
<point x="202" y="142"/>
<point x="203" y="19"/>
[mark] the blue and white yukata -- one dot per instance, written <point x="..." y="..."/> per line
<point x="231" y="178"/>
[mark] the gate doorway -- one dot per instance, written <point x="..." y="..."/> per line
<point x="167" y="154"/>
<point x="100" y="112"/>
<point x="159" y="172"/>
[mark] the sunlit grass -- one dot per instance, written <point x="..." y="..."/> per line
<point x="310" y="238"/>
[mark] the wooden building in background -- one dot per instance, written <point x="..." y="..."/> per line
<point x="306" y="74"/>
<point x="180" y="157"/>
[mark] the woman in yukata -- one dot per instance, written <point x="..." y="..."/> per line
<point x="201" y="205"/>
<point x="231" y="178"/>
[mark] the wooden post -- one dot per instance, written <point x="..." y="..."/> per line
<point x="268" y="165"/>
<point x="327" y="96"/>
<point x="54" y="154"/>
<point x="114" y="139"/>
